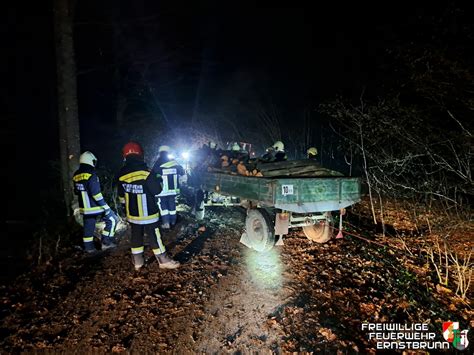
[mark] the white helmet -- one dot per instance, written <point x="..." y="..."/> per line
<point x="279" y="146"/>
<point x="312" y="151"/>
<point x="88" y="158"/>
<point x="212" y="145"/>
<point x="236" y="147"/>
<point x="164" y="148"/>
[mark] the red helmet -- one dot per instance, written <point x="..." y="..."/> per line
<point x="132" y="148"/>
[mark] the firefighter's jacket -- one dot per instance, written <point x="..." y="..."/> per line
<point x="137" y="189"/>
<point x="87" y="188"/>
<point x="280" y="156"/>
<point x="169" y="172"/>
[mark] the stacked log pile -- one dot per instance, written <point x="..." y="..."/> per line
<point x="295" y="168"/>
<point x="292" y="168"/>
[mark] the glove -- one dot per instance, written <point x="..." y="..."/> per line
<point x="107" y="210"/>
<point x="110" y="213"/>
<point x="75" y="204"/>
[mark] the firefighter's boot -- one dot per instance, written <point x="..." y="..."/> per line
<point x="166" y="262"/>
<point x="89" y="246"/>
<point x="138" y="261"/>
<point x="108" y="243"/>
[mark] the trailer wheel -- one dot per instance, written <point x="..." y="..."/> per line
<point x="319" y="232"/>
<point x="259" y="230"/>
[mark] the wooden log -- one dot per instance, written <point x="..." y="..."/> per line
<point x="296" y="168"/>
<point x="286" y="165"/>
<point x="301" y="171"/>
<point x="219" y="170"/>
<point x="242" y="169"/>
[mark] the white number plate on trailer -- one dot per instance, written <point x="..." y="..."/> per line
<point x="286" y="190"/>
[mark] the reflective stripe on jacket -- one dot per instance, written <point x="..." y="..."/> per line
<point x="87" y="188"/>
<point x="137" y="188"/>
<point x="169" y="172"/>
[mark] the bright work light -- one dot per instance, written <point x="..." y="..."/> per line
<point x="185" y="155"/>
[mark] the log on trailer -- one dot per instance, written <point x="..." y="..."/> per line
<point x="295" y="168"/>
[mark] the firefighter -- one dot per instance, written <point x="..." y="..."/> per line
<point x="214" y="154"/>
<point x="279" y="149"/>
<point x="269" y="155"/>
<point x="168" y="170"/>
<point x="311" y="153"/>
<point x="138" y="190"/>
<point x="92" y="204"/>
<point x="202" y="157"/>
<point x="213" y="145"/>
<point x="235" y="147"/>
<point x="238" y="153"/>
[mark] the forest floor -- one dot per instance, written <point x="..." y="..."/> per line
<point x="225" y="297"/>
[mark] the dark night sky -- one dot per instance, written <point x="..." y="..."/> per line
<point x="299" y="52"/>
<point x="297" y="56"/>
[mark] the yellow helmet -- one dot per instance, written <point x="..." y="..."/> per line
<point x="164" y="148"/>
<point x="279" y="146"/>
<point x="312" y="151"/>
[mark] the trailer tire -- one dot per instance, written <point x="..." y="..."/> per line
<point x="319" y="232"/>
<point x="259" y="230"/>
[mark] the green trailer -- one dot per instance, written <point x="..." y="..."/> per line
<point x="275" y="205"/>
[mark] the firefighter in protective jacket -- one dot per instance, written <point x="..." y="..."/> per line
<point x="138" y="190"/>
<point x="168" y="171"/>
<point x="92" y="204"/>
<point x="312" y="153"/>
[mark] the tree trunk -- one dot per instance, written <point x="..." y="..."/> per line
<point x="121" y="101"/>
<point x="69" y="139"/>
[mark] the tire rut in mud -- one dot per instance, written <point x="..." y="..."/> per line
<point x="238" y="312"/>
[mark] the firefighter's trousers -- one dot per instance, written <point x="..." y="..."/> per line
<point x="108" y="234"/>
<point x="137" y="241"/>
<point x="167" y="205"/>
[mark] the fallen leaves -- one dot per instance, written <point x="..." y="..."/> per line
<point x="118" y="348"/>
<point x="328" y="334"/>
<point x="442" y="289"/>
<point x="109" y="301"/>
<point x="324" y="293"/>
<point x="368" y="308"/>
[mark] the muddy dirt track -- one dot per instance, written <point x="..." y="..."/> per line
<point x="225" y="298"/>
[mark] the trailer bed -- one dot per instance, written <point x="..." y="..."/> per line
<point x="295" y="194"/>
